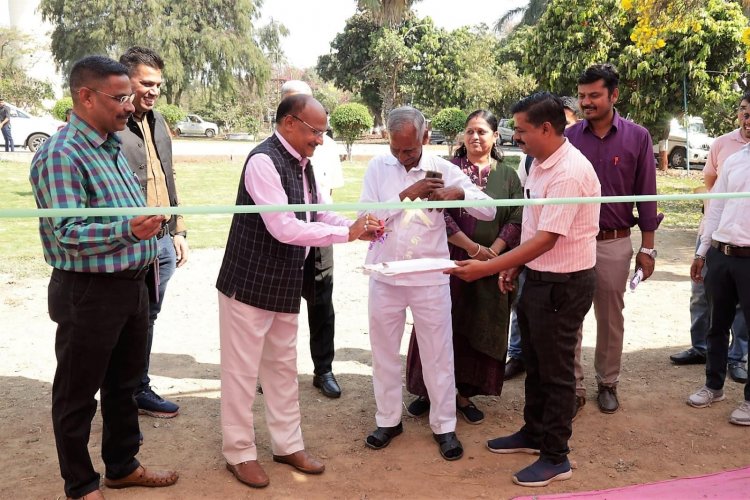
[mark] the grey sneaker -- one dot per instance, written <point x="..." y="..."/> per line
<point x="741" y="416"/>
<point x="704" y="397"/>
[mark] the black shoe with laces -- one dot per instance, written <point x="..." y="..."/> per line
<point x="153" y="405"/>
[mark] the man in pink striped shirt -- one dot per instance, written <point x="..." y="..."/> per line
<point x="558" y="247"/>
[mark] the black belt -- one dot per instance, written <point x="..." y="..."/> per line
<point x="555" y="277"/>
<point x="731" y="250"/>
<point x="127" y="274"/>
<point x="162" y="232"/>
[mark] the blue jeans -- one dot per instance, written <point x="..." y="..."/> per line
<point x="700" y="322"/>
<point x="514" y="341"/>
<point x="8" y="138"/>
<point x="167" y="265"/>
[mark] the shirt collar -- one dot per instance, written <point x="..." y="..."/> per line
<point x="302" y="160"/>
<point x="92" y="135"/>
<point x="555" y="157"/>
<point x="737" y="136"/>
<point x="616" y="123"/>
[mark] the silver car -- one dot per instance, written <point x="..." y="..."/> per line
<point x="30" y="131"/>
<point x="195" y="125"/>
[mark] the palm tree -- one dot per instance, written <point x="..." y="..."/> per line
<point x="386" y="12"/>
<point x="530" y="15"/>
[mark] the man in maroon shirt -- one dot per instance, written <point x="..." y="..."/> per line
<point x="622" y="155"/>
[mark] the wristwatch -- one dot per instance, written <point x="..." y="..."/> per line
<point x="651" y="252"/>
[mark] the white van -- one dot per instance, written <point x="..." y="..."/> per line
<point x="30" y="131"/>
<point x="677" y="146"/>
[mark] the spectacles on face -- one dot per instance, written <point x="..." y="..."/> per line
<point x="316" y="132"/>
<point x="122" y="99"/>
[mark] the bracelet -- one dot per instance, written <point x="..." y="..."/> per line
<point x="701" y="257"/>
<point x="479" y="249"/>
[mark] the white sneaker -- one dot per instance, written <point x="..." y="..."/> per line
<point x="704" y="397"/>
<point x="741" y="416"/>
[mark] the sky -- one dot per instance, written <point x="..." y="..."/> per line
<point x="313" y="25"/>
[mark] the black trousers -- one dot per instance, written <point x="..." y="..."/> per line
<point x="321" y="318"/>
<point x="101" y="337"/>
<point x="550" y="312"/>
<point x="727" y="284"/>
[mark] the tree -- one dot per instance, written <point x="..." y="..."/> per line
<point x="703" y="59"/>
<point x="386" y="12"/>
<point x="451" y="121"/>
<point x="207" y="41"/>
<point x="349" y="121"/>
<point x="530" y="15"/>
<point x="61" y="107"/>
<point x="15" y="85"/>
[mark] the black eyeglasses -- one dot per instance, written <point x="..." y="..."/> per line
<point x="122" y="99"/>
<point x="318" y="133"/>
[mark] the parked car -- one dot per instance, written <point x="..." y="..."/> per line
<point x="682" y="144"/>
<point x="437" y="137"/>
<point x="505" y="132"/>
<point x="195" y="125"/>
<point x="30" y="131"/>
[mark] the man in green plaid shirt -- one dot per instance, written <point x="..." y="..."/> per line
<point x="97" y="293"/>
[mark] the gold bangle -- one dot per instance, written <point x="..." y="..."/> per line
<point x="479" y="249"/>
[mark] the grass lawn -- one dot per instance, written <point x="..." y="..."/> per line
<point x="215" y="183"/>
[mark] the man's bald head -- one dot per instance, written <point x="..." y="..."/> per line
<point x="293" y="87"/>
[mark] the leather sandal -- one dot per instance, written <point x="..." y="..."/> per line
<point x="143" y="477"/>
<point x="381" y="437"/>
<point x="450" y="446"/>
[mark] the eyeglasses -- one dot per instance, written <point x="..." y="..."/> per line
<point x="122" y="99"/>
<point x="316" y="132"/>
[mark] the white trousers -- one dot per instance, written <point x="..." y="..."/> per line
<point x="256" y="343"/>
<point x="431" y="308"/>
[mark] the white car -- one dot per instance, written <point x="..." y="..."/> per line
<point x="195" y="125"/>
<point x="30" y="131"/>
<point x="692" y="144"/>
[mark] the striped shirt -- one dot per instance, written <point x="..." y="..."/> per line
<point x="565" y="174"/>
<point x="78" y="168"/>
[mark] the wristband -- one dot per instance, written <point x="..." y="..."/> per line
<point x="479" y="249"/>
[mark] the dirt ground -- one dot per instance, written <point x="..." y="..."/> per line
<point x="655" y="436"/>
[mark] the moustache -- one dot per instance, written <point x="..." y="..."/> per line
<point x="521" y="143"/>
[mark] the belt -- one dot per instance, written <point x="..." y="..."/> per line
<point x="555" y="277"/>
<point x="162" y="232"/>
<point x="128" y="274"/>
<point x="731" y="250"/>
<point x="613" y="234"/>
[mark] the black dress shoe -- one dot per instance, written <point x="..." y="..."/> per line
<point x="607" y="399"/>
<point x="738" y="372"/>
<point x="691" y="356"/>
<point x="514" y="367"/>
<point x="327" y="385"/>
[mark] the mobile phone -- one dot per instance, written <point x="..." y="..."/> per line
<point x="433" y="174"/>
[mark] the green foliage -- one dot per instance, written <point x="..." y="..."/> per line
<point x="451" y="121"/>
<point x="61" y="107"/>
<point x="707" y="56"/>
<point x="15" y="85"/>
<point x="206" y="41"/>
<point x="171" y="113"/>
<point x="349" y="121"/>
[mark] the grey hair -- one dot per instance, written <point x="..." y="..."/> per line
<point x="406" y="115"/>
<point x="292" y="87"/>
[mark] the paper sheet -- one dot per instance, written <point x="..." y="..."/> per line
<point x="411" y="266"/>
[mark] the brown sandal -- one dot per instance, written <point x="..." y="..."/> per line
<point x="143" y="477"/>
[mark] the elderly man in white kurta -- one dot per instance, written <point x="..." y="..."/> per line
<point x="406" y="174"/>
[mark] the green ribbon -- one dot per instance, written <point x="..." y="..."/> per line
<point x="14" y="213"/>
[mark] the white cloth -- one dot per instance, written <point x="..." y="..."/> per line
<point x="431" y="308"/>
<point x="327" y="164"/>
<point x="727" y="221"/>
<point x="414" y="234"/>
<point x="258" y="344"/>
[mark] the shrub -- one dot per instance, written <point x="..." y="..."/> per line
<point x="172" y="114"/>
<point x="61" y="106"/>
<point x="349" y="121"/>
<point x="451" y="121"/>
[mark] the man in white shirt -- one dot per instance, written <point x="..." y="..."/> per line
<point x="725" y="250"/>
<point x="408" y="174"/>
